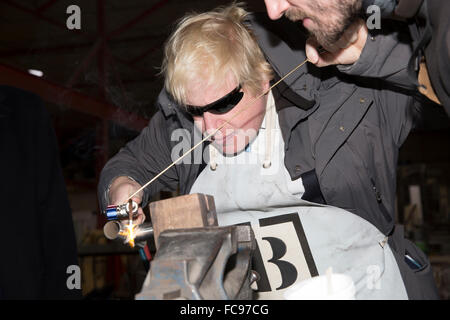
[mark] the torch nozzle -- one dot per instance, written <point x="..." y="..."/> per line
<point x="128" y="233"/>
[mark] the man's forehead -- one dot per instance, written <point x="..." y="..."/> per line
<point x="200" y="96"/>
<point x="210" y="88"/>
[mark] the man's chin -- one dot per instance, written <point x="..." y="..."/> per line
<point x="229" y="150"/>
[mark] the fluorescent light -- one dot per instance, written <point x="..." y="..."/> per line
<point x="37" y="73"/>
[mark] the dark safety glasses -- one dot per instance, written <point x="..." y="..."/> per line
<point x="221" y="106"/>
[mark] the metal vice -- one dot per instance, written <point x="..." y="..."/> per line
<point x="196" y="259"/>
<point x="201" y="263"/>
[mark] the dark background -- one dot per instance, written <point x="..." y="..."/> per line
<point x="100" y="83"/>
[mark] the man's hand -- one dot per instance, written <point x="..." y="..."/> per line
<point x="346" y="50"/>
<point x="121" y="188"/>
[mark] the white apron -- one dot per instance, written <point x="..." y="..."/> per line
<point x="296" y="239"/>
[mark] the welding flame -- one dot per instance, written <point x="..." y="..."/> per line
<point x="129" y="233"/>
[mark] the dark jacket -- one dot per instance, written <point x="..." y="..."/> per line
<point x="347" y="134"/>
<point x="37" y="238"/>
<point x="429" y="26"/>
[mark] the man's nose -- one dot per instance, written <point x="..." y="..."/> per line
<point x="276" y="8"/>
<point x="212" y="122"/>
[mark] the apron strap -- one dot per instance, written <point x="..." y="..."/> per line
<point x="270" y="125"/>
<point x="312" y="187"/>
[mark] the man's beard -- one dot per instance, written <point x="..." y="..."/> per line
<point x="329" y="31"/>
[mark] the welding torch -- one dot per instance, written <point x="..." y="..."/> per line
<point x="117" y="229"/>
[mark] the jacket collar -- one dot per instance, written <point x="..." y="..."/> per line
<point x="166" y="104"/>
<point x="408" y="9"/>
<point x="170" y="108"/>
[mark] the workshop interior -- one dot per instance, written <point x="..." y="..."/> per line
<point x="99" y="82"/>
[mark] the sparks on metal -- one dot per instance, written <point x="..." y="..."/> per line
<point x="129" y="233"/>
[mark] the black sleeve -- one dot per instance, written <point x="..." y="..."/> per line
<point x="385" y="56"/>
<point x="142" y="159"/>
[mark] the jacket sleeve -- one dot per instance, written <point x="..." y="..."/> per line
<point x="385" y="56"/>
<point x="142" y="159"/>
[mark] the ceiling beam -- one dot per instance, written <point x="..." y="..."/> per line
<point x="46" y="5"/>
<point x="114" y="33"/>
<point x="70" y="98"/>
<point x="138" y="18"/>
<point x="82" y="67"/>
<point x="144" y="54"/>
<point x="82" y="45"/>
<point x="40" y="16"/>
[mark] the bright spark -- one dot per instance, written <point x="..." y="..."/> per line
<point x="129" y="233"/>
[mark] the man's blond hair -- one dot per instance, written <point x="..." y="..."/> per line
<point x="207" y="46"/>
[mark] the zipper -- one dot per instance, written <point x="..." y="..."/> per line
<point x="380" y="202"/>
<point x="375" y="190"/>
